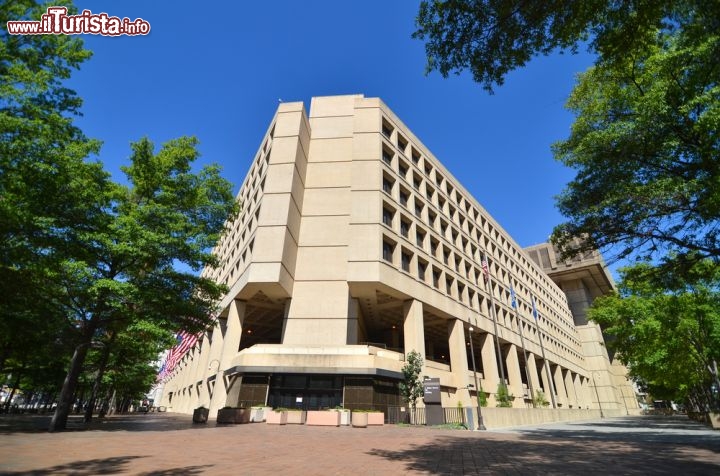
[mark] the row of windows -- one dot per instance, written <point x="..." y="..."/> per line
<point x="443" y="208"/>
<point x="235" y="247"/>
<point x="444" y="198"/>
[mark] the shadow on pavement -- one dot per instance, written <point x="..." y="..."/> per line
<point x="656" y="430"/>
<point x="91" y="467"/>
<point x="30" y="423"/>
<point x="458" y="455"/>
<point x="179" y="471"/>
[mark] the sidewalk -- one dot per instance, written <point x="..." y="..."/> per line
<point x="169" y="444"/>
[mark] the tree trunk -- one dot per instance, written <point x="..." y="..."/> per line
<point x="111" y="405"/>
<point x="98" y="379"/>
<point x="65" y="402"/>
<point x="8" y="402"/>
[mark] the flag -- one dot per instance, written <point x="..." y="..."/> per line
<point x="485" y="269"/>
<point x="534" y="311"/>
<point x="185" y="342"/>
<point x="513" y="301"/>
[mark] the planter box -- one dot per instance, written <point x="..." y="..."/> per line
<point x="257" y="414"/>
<point x="376" y="418"/>
<point x="359" y="419"/>
<point x="276" y="418"/>
<point x="323" y="418"/>
<point x="344" y="417"/>
<point x="200" y="415"/>
<point x="296" y="417"/>
<point x="233" y="415"/>
<point x="714" y="420"/>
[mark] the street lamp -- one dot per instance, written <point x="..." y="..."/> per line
<point x="592" y="374"/>
<point x="481" y="426"/>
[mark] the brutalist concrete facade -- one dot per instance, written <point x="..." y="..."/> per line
<point x="356" y="246"/>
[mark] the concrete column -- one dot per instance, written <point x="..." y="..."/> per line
<point x="515" y="385"/>
<point x="185" y="381"/>
<point x="534" y="377"/>
<point x="204" y="393"/>
<point x="560" y="386"/>
<point x="414" y="327"/>
<point x="195" y="377"/>
<point x="577" y="385"/>
<point x="459" y="359"/>
<point x="491" y="376"/>
<point x="570" y="389"/>
<point x="231" y="343"/>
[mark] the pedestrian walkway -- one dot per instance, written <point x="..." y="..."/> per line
<point x="169" y="444"/>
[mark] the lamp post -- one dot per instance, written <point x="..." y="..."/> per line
<point x="481" y="426"/>
<point x="592" y="374"/>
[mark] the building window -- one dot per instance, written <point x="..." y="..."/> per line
<point x="420" y="238"/>
<point x="436" y="278"/>
<point x="404" y="196"/>
<point x="404" y="228"/>
<point x="416" y="182"/>
<point x="422" y="268"/>
<point x="405" y="261"/>
<point x="387" y="156"/>
<point x="387" y="186"/>
<point x="446" y="255"/>
<point x="388" y="217"/>
<point x="387" y="129"/>
<point x="388" y="249"/>
<point x="402" y="143"/>
<point x="418" y="209"/>
<point x="403" y="169"/>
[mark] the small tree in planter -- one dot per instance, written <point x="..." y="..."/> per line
<point x="411" y="387"/>
<point x="503" y="396"/>
<point x="200" y="415"/>
<point x="540" y="400"/>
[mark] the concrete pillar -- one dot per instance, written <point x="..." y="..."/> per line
<point x="560" y="387"/>
<point x="231" y="343"/>
<point x="204" y="393"/>
<point x="570" y="389"/>
<point x="491" y="376"/>
<point x="515" y="385"/>
<point x="414" y="327"/>
<point x="533" y="371"/>
<point x="459" y="359"/>
<point x="577" y="385"/>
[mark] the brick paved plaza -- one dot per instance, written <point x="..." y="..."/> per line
<point x="168" y="444"/>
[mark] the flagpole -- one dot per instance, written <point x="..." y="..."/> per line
<point x="522" y="342"/>
<point x="542" y="348"/>
<point x="486" y="272"/>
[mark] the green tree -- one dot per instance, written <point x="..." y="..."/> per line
<point x="503" y="397"/>
<point x="411" y="387"/>
<point x="666" y="329"/>
<point x="645" y="143"/>
<point x="167" y="218"/>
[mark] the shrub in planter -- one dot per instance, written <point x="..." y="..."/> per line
<point x="200" y="415"/>
<point x="276" y="416"/>
<point x="233" y="415"/>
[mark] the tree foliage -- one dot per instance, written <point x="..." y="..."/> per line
<point x="86" y="263"/>
<point x="645" y="143"/>
<point x="646" y="148"/>
<point x="411" y="387"/>
<point x="666" y="329"/>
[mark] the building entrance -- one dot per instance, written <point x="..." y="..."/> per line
<point x="308" y="392"/>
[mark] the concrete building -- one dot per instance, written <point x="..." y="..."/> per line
<point x="356" y="246"/>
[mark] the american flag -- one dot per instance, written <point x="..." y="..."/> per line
<point x="485" y="269"/>
<point x="185" y="342"/>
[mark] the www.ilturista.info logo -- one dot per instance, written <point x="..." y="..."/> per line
<point x="57" y="22"/>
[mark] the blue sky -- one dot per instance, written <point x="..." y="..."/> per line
<point x="217" y="72"/>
